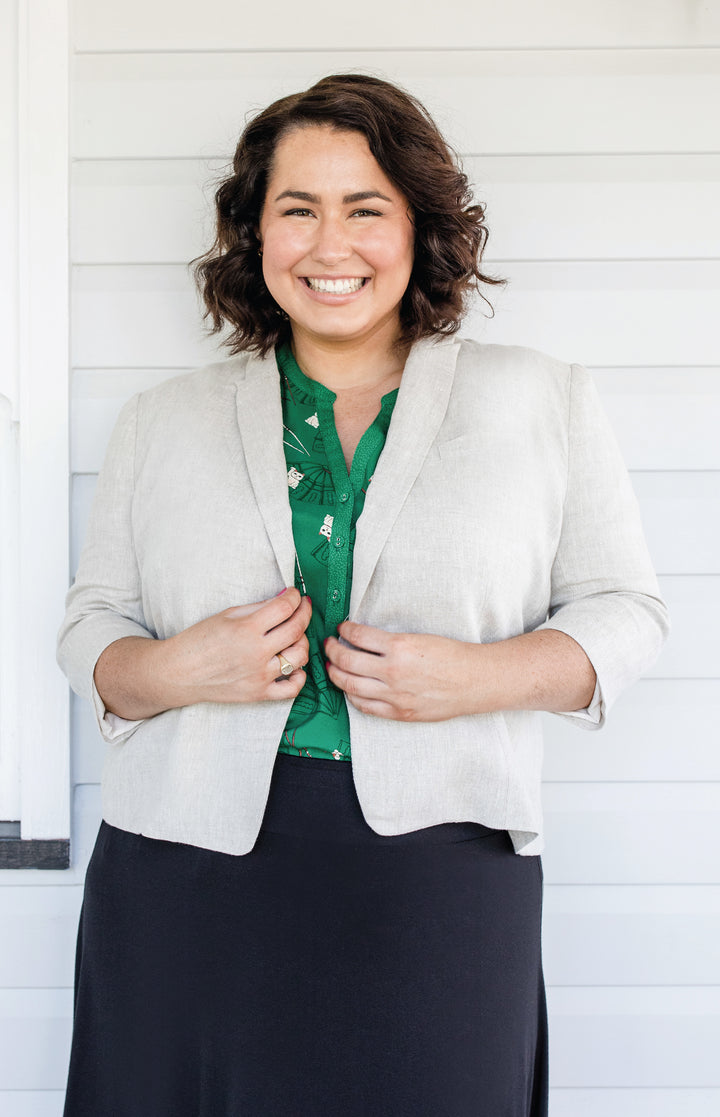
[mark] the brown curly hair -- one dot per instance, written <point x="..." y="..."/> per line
<point x="450" y="231"/>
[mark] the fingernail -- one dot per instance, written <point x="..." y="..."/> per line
<point x="309" y="598"/>
<point x="282" y="591"/>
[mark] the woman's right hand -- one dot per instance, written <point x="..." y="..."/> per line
<point x="229" y="657"/>
<point x="233" y="656"/>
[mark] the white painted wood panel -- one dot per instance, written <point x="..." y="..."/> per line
<point x="665" y="418"/>
<point x="632" y="935"/>
<point x="146" y="211"/>
<point x="659" y="730"/>
<point x="602" y="314"/>
<point x="635" y="1037"/>
<point x="38" y="930"/>
<point x="681" y="516"/>
<point x="147" y="317"/>
<point x="610" y="1102"/>
<point x="88" y="746"/>
<point x="160" y="211"/>
<point x="32" y="1103"/>
<point x="692" y="651"/>
<point x="35" y="1026"/>
<point x="222" y="24"/>
<point x="194" y="105"/>
<point x="560" y="220"/>
<point x="632" y="950"/>
<point x="631" y="833"/>
<point x="607" y="313"/>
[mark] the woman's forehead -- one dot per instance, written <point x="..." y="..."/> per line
<point x="324" y="159"/>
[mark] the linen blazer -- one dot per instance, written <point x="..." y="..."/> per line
<point x="500" y="505"/>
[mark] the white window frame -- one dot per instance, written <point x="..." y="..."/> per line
<point x="34" y="435"/>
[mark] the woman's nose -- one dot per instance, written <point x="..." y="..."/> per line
<point x="331" y="243"/>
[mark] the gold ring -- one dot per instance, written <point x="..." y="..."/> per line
<point x="286" y="667"/>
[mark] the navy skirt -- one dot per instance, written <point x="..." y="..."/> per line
<point x="331" y="972"/>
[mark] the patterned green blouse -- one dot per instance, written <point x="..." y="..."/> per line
<point x="326" y="503"/>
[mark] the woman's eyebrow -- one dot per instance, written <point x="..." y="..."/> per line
<point x="349" y="199"/>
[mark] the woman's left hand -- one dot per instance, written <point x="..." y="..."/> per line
<point x="402" y="676"/>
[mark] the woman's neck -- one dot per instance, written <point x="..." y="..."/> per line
<point x="364" y="366"/>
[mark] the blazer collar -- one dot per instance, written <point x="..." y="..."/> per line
<point x="420" y="409"/>
<point x="259" y="415"/>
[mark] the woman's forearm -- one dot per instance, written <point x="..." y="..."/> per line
<point x="131" y="677"/>
<point x="545" y="670"/>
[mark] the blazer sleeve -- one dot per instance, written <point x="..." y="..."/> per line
<point x="604" y="592"/>
<point x="105" y="602"/>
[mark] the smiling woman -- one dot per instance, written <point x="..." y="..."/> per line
<point x="327" y="585"/>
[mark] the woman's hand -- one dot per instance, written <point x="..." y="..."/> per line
<point x="410" y="677"/>
<point x="402" y="676"/>
<point x="229" y="657"/>
<point x="233" y="656"/>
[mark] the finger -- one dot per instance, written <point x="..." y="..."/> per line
<point x="375" y="708"/>
<point x="236" y="611"/>
<point x="357" y="686"/>
<point x="290" y="632"/>
<point x="298" y="653"/>
<point x="364" y="636"/>
<point x="302" y="615"/>
<point x="297" y="656"/>
<point x="353" y="660"/>
<point x="278" y="609"/>
<point x="286" y="686"/>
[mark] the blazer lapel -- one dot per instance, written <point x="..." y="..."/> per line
<point x="259" y="416"/>
<point x="419" y="411"/>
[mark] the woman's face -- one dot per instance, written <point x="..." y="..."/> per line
<point x="337" y="238"/>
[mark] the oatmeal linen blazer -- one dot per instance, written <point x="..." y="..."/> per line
<point x="500" y="505"/>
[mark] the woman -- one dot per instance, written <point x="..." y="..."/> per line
<point x="327" y="585"/>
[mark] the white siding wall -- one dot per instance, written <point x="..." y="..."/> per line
<point x="592" y="132"/>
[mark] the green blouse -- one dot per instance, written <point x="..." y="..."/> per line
<point x="326" y="503"/>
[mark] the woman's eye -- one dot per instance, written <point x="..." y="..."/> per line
<point x="298" y="213"/>
<point x="366" y="213"/>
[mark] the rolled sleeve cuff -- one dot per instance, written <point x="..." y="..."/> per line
<point x="621" y="634"/>
<point x="113" y="729"/>
<point x="593" y="716"/>
<point x="79" y="649"/>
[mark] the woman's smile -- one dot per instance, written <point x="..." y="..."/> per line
<point x="335" y="286"/>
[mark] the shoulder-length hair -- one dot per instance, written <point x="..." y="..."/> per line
<point x="450" y="230"/>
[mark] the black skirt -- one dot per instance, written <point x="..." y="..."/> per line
<point x="331" y="972"/>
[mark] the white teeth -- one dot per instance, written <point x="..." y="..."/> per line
<point x="336" y="286"/>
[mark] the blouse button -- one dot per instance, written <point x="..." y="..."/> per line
<point x="335" y="595"/>
<point x="339" y="542"/>
<point x="344" y="497"/>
